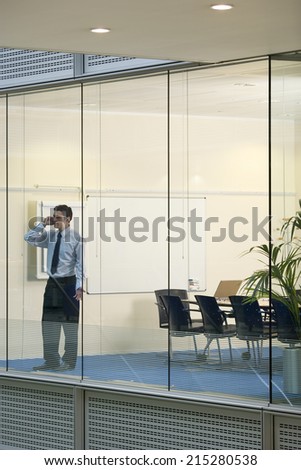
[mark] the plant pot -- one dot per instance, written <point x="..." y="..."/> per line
<point x="292" y="370"/>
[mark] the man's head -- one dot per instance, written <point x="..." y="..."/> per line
<point x="62" y="215"/>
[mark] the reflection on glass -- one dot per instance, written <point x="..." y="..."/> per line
<point x="3" y="144"/>
<point x="218" y="141"/>
<point x="125" y="180"/>
<point x="168" y="177"/>
<point x="44" y="170"/>
<point x="286" y="192"/>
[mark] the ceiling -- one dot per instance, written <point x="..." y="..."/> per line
<point x="180" y="30"/>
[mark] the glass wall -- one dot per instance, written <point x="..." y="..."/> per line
<point x="3" y="237"/>
<point x="219" y="140"/>
<point x="168" y="178"/>
<point x="125" y="137"/>
<point x="44" y="154"/>
<point x="286" y="192"/>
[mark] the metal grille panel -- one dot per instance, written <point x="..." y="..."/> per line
<point x="36" y="418"/>
<point x="18" y="67"/>
<point x="114" y="424"/>
<point x="22" y="67"/>
<point x="287" y="433"/>
<point x="104" y="64"/>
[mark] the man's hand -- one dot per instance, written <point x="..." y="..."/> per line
<point x="79" y="294"/>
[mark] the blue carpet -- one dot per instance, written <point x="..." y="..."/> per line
<point x="239" y="378"/>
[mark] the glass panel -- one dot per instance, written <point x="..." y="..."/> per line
<point x="125" y="183"/>
<point x="3" y="233"/>
<point x="190" y="148"/>
<point x="286" y="194"/>
<point x="219" y="156"/>
<point x="45" y="170"/>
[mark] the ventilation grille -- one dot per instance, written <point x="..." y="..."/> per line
<point x="113" y="424"/>
<point x="18" y="67"/>
<point x="22" y="67"/>
<point x="287" y="433"/>
<point x="34" y="418"/>
<point x="103" y="64"/>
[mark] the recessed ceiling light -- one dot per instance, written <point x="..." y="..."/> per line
<point x="222" y="6"/>
<point x="99" y="30"/>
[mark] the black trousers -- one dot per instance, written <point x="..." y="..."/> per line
<point x="60" y="312"/>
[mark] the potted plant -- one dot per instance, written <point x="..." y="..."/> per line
<point x="280" y="279"/>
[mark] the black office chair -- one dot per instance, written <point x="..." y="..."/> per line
<point x="215" y="323"/>
<point x="286" y="327"/>
<point x="180" y="323"/>
<point x="250" y="325"/>
<point x="163" y="317"/>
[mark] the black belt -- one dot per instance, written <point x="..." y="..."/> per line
<point x="63" y="280"/>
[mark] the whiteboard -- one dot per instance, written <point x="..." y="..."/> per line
<point x="128" y="250"/>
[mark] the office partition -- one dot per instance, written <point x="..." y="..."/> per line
<point x="191" y="157"/>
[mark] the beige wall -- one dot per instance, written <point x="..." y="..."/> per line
<point x="223" y="159"/>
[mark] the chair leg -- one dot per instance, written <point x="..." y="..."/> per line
<point x="260" y="350"/>
<point x="219" y="350"/>
<point x="209" y="341"/>
<point x="195" y="346"/>
<point x="230" y="349"/>
<point x="254" y="352"/>
<point x="258" y="353"/>
<point x="170" y="346"/>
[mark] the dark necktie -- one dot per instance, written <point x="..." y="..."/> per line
<point x="55" y="258"/>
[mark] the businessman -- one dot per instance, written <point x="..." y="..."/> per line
<point x="64" y="288"/>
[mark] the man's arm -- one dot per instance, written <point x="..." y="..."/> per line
<point x="79" y="271"/>
<point x="38" y="236"/>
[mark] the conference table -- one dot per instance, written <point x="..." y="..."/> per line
<point x="225" y="304"/>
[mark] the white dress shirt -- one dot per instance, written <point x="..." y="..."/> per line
<point x="70" y="255"/>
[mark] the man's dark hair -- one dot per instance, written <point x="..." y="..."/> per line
<point x="65" y="209"/>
